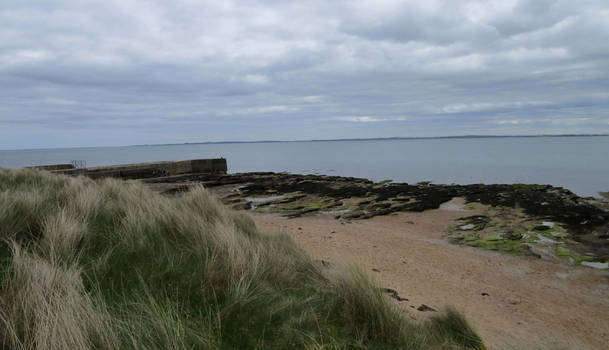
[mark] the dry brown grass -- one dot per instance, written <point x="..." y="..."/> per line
<point x="110" y="265"/>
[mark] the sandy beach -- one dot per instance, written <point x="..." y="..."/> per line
<point x="514" y="302"/>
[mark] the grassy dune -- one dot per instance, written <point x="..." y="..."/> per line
<point x="111" y="265"/>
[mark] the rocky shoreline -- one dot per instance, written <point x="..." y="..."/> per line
<point x="512" y="219"/>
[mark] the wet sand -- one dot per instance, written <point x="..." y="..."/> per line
<point x="513" y="302"/>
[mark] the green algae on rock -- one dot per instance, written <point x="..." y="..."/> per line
<point x="516" y="212"/>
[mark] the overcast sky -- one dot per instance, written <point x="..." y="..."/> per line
<point x="119" y="72"/>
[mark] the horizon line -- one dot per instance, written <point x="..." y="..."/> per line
<point x="472" y="136"/>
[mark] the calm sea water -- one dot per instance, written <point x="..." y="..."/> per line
<point x="580" y="164"/>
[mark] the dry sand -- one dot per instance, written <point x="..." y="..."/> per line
<point x="513" y="302"/>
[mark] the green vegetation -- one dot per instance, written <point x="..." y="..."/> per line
<point x="503" y="229"/>
<point x="112" y="265"/>
<point x="471" y="206"/>
<point x="510" y="230"/>
<point x="568" y="254"/>
<point x="298" y="204"/>
<point x="496" y="243"/>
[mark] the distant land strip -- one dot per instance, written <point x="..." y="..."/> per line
<point x="327" y="140"/>
<point x="375" y="139"/>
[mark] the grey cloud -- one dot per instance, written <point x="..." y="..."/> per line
<point x="189" y="71"/>
<point x="530" y="15"/>
<point x="405" y="24"/>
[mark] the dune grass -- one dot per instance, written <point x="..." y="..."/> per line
<point x="111" y="265"/>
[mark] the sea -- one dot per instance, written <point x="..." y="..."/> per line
<point x="578" y="163"/>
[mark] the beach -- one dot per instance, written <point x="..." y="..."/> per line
<point x="514" y="302"/>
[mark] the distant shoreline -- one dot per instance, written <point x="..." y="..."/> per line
<point x="374" y="139"/>
<point x="323" y="140"/>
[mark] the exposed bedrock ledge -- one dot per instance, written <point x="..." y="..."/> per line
<point x="587" y="219"/>
<point x="548" y="201"/>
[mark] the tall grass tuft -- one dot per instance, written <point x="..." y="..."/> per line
<point x="111" y="265"/>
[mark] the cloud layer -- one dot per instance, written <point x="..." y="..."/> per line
<point x="115" y="72"/>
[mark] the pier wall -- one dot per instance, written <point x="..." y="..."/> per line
<point x="152" y="169"/>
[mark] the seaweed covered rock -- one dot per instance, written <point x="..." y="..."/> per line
<point x="293" y="195"/>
